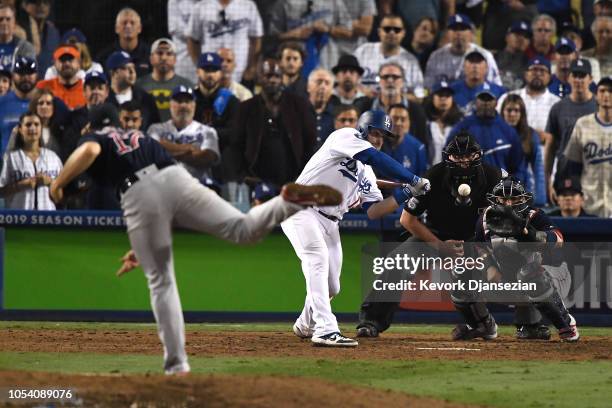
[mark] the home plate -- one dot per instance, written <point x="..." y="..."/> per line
<point x="448" y="348"/>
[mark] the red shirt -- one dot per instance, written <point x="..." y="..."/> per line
<point x="530" y="52"/>
<point x="72" y="96"/>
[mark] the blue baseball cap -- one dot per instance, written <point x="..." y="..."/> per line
<point x="96" y="76"/>
<point x="76" y="33"/>
<point x="485" y="89"/>
<point x="460" y="21"/>
<point x="117" y="59"/>
<point x="210" y="60"/>
<point x="25" y="65"/>
<point x="5" y="70"/>
<point x="520" y="27"/>
<point x="182" y="90"/>
<point x="539" y="61"/>
<point x="442" y="86"/>
<point x="264" y="191"/>
<point x="566" y="44"/>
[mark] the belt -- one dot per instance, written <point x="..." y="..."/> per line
<point x="130" y="180"/>
<point x="329" y="217"/>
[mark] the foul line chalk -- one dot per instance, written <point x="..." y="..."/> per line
<point x="448" y="348"/>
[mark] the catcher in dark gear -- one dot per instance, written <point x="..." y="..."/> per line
<point x="505" y="224"/>
<point x="450" y="216"/>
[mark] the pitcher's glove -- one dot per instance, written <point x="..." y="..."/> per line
<point x="504" y="222"/>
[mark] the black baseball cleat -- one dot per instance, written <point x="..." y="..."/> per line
<point x="536" y="331"/>
<point x="486" y="330"/>
<point x="318" y="194"/>
<point x="367" y="331"/>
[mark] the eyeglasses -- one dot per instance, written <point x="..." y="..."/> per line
<point x="223" y="17"/>
<point x="390" y="77"/>
<point x="396" y="30"/>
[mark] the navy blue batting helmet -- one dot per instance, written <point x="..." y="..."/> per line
<point x="374" y="119"/>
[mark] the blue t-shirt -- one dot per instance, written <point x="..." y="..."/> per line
<point x="464" y="95"/>
<point x="562" y="89"/>
<point x="6" y="53"/>
<point x="11" y="108"/>
<point x="411" y="153"/>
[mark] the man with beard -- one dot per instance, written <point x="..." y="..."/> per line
<point x="12" y="47"/>
<point x="194" y="145"/>
<point x="446" y="62"/>
<point x="275" y="131"/>
<point x="348" y="77"/>
<point x="291" y="57"/>
<point x="499" y="141"/>
<point x="538" y="99"/>
<point x="123" y="77"/>
<point x="228" y="66"/>
<point x="16" y="101"/>
<point x="320" y="86"/>
<point x="66" y="86"/>
<point x="215" y="105"/>
<point x="391" y="76"/>
<point x="163" y="79"/>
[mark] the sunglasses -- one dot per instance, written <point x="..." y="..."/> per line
<point x="389" y="29"/>
<point x="390" y="77"/>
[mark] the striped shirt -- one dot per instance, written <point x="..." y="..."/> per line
<point x="18" y="166"/>
<point x="591" y="145"/>
<point x="371" y="57"/>
<point x="444" y="65"/>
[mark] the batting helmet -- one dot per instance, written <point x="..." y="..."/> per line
<point x="374" y="119"/>
<point x="511" y="190"/>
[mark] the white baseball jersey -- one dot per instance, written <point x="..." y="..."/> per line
<point x="370" y="58"/>
<point x="18" y="166"/>
<point x="230" y="27"/>
<point x="197" y="134"/>
<point x="591" y="145"/>
<point x="333" y="164"/>
<point x="537" y="107"/>
<point x="179" y="12"/>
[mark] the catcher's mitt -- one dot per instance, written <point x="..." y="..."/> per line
<point x="503" y="221"/>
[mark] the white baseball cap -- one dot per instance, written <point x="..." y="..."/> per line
<point x="161" y="41"/>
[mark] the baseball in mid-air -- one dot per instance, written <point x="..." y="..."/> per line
<point x="464" y="190"/>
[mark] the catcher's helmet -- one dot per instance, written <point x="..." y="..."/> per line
<point x="510" y="191"/>
<point x="374" y="119"/>
<point x="462" y="152"/>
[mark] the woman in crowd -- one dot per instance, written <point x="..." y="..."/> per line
<point x="29" y="168"/>
<point x="514" y="113"/>
<point x="442" y="114"/>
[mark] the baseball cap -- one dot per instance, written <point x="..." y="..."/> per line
<point x="5" y="70"/>
<point x="581" y="65"/>
<point x="570" y="185"/>
<point x="485" y="90"/>
<point x="103" y="115"/>
<point x="520" y="27"/>
<point x="539" y="61"/>
<point x="607" y="80"/>
<point x="441" y="86"/>
<point x="66" y="50"/>
<point x="210" y="60"/>
<point x="117" y="60"/>
<point x="25" y="65"/>
<point x="264" y="192"/>
<point x="96" y="76"/>
<point x="76" y="33"/>
<point x="568" y="26"/>
<point x="459" y="21"/>
<point x="565" y="44"/>
<point x="182" y="90"/>
<point x="348" y="61"/>
<point x="475" y="56"/>
<point x="161" y="41"/>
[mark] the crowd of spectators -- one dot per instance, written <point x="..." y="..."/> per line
<point x="247" y="90"/>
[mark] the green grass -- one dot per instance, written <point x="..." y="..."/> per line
<point x="494" y="383"/>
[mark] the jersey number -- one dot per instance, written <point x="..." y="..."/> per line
<point x="120" y="142"/>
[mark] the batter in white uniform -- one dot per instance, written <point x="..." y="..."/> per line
<point x="342" y="162"/>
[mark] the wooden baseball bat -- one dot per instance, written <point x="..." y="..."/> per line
<point x="387" y="184"/>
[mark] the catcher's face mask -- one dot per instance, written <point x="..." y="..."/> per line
<point x="511" y="192"/>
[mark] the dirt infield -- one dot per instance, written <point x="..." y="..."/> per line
<point x="216" y="391"/>
<point x="282" y="344"/>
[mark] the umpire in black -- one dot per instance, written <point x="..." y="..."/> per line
<point x="449" y="217"/>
